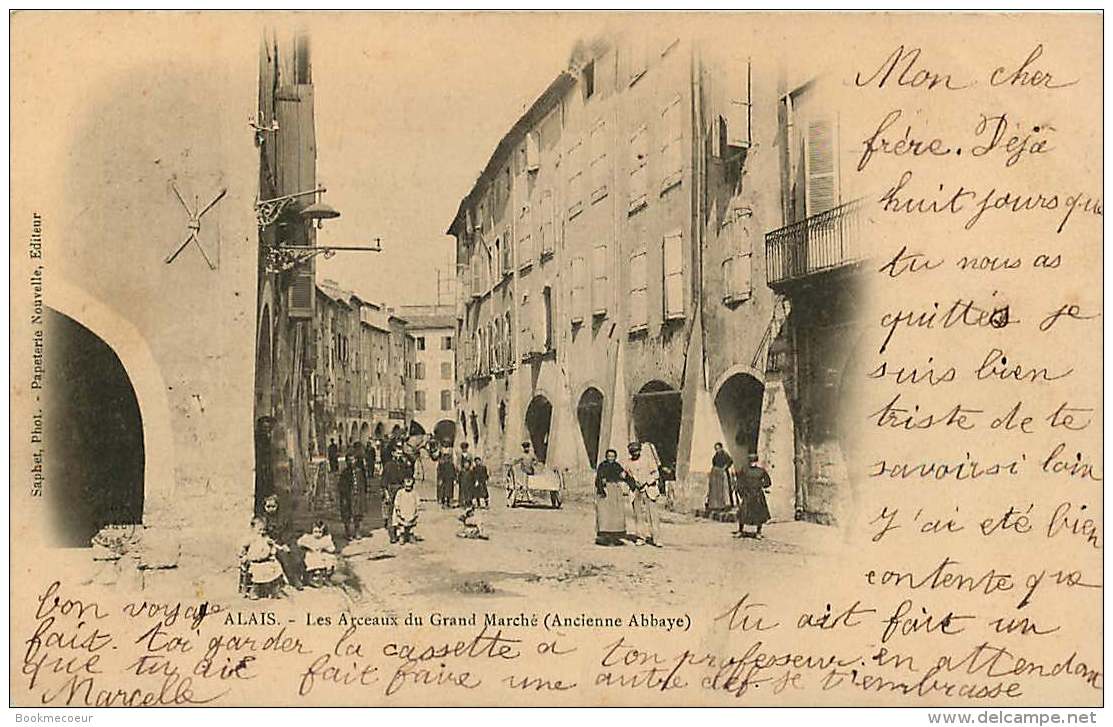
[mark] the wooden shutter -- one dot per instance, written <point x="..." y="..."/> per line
<point x="737" y="118"/>
<point x="548" y="243"/>
<point x="599" y="172"/>
<point x="579" y="290"/>
<point x="820" y="166"/>
<point x="673" y="282"/>
<point x="301" y="292"/>
<point x="525" y="318"/>
<point x="639" y="157"/>
<point x="507" y="252"/>
<point x="575" y="177"/>
<point x="533" y="152"/>
<point x="672" y="143"/>
<point x="600" y="269"/>
<point x="639" y="309"/>
<point x="525" y="239"/>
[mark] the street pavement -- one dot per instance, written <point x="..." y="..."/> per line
<point x="540" y="556"/>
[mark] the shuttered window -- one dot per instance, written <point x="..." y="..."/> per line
<point x="579" y="290"/>
<point x="820" y="165"/>
<point x="533" y="151"/>
<point x="509" y="340"/>
<point x="639" y="291"/>
<point x="525" y="238"/>
<point x="600" y="271"/>
<point x="548" y="241"/>
<point x="446" y="400"/>
<point x="302" y="292"/>
<point x="636" y="56"/>
<point x="738" y="264"/>
<point x="600" y="174"/>
<point x="672" y="143"/>
<point x="419" y="400"/>
<point x="737" y="112"/>
<point x="638" y="165"/>
<point x="525" y="316"/>
<point x="507" y="253"/>
<point x="574" y="163"/>
<point x="673" y="275"/>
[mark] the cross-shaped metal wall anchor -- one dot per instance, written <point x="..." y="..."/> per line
<point x="194" y="225"/>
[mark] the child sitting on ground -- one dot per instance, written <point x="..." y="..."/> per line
<point x="260" y="573"/>
<point x="320" y="554"/>
<point x="473" y="525"/>
<point x="405" y="511"/>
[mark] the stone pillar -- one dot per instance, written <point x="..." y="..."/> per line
<point x="705" y="432"/>
<point x="776" y="447"/>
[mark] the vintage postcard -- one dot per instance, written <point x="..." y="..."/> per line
<point x="556" y="359"/>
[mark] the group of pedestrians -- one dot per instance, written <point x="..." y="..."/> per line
<point x="637" y="478"/>
<point x="742" y="490"/>
<point x="462" y="470"/>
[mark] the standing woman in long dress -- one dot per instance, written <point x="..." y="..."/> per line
<point x="610" y="505"/>
<point x="753" y="509"/>
<point x="719" y="480"/>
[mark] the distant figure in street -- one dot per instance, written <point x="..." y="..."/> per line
<point x="369" y="457"/>
<point x="446" y="481"/>
<point x="394" y="475"/>
<point x="320" y="554"/>
<point x="751" y="486"/>
<point x="646" y="484"/>
<point x="472" y="525"/>
<point x="527" y="461"/>
<point x="480" y="494"/>
<point x="346" y="485"/>
<point x="464" y="454"/>
<point x="610" y="500"/>
<point x="719" y="482"/>
<point x="467" y="484"/>
<point x="405" y="512"/>
<point x="333" y="456"/>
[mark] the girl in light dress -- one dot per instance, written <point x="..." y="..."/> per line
<point x="260" y="572"/>
<point x="320" y="554"/>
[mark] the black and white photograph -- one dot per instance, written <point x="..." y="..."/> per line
<point x="556" y="359"/>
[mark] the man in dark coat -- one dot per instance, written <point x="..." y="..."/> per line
<point x="751" y="485"/>
<point x="333" y="456"/>
<point x="395" y="472"/>
<point x="346" y="485"/>
<point x="446" y="480"/>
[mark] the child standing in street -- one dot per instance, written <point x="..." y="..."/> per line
<point x="405" y="511"/>
<point x="479" y="493"/>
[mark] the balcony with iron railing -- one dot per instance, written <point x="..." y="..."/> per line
<point x="821" y="243"/>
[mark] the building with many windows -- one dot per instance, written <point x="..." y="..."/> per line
<point x="433" y="330"/>
<point x="815" y="263"/>
<point x="362" y="383"/>
<point x="608" y="286"/>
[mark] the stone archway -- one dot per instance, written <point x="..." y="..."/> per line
<point x="445" y="432"/>
<point x="538" y="421"/>
<point x="589" y="414"/>
<point x="738" y="402"/>
<point x="146" y="380"/>
<point x="364" y="432"/>
<point x="94" y="426"/>
<point x="657" y="416"/>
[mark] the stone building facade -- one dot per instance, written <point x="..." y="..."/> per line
<point x="433" y="329"/>
<point x="610" y="269"/>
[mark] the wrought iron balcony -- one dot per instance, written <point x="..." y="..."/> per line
<point x="818" y="244"/>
